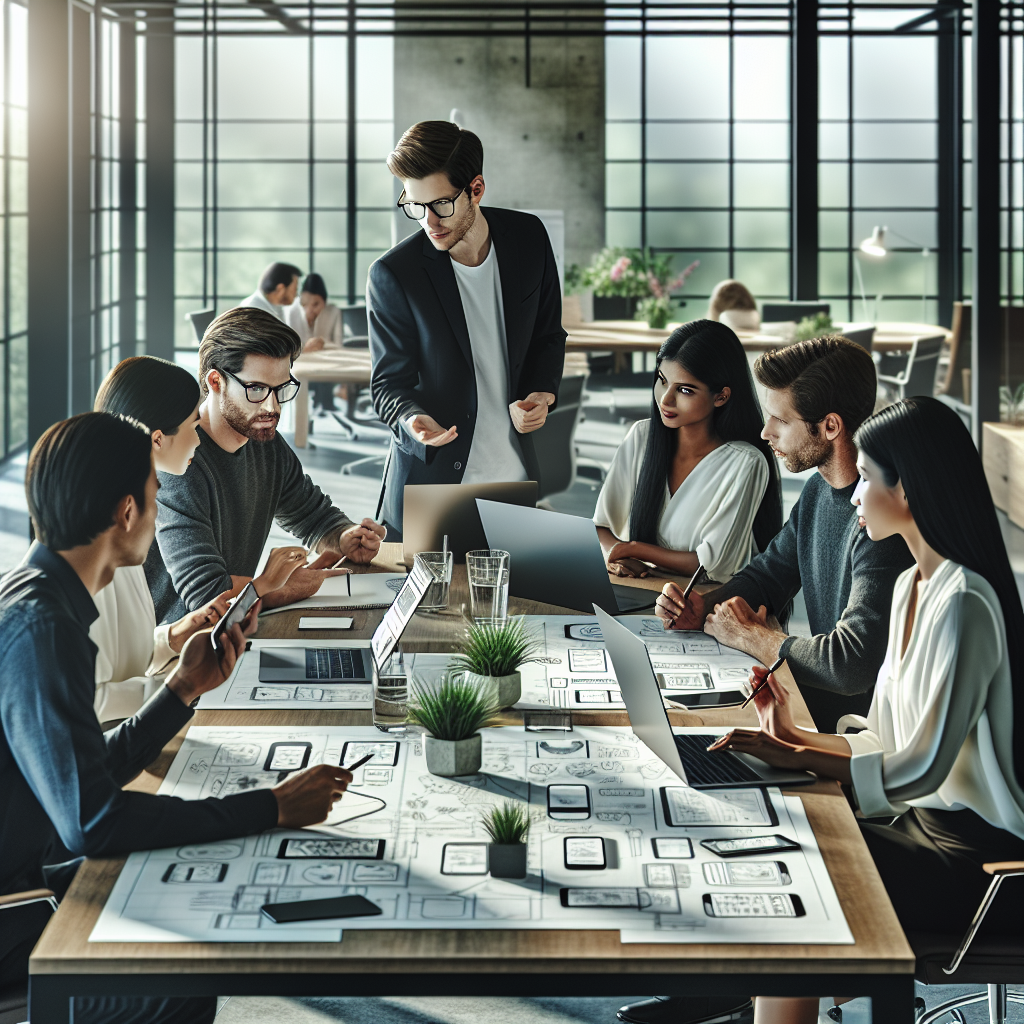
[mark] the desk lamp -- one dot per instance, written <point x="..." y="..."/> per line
<point x="875" y="246"/>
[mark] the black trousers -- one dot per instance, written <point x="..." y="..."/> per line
<point x="930" y="862"/>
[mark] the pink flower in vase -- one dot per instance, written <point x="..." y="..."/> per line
<point x="621" y="265"/>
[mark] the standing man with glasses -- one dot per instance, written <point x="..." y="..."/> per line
<point x="215" y="519"/>
<point x="465" y="325"/>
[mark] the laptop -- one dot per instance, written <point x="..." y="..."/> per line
<point x="348" y="664"/>
<point x="557" y="559"/>
<point x="687" y="755"/>
<point x="434" y="510"/>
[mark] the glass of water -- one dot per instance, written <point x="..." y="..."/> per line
<point x="439" y="565"/>
<point x="391" y="695"/>
<point x="487" y="570"/>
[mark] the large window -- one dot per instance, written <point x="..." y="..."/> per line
<point x="14" y="228"/>
<point x="266" y="164"/>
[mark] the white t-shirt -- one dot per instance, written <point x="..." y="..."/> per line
<point x="494" y="456"/>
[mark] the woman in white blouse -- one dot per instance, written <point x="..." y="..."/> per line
<point x="694" y="484"/>
<point x="316" y="321"/>
<point x="133" y="653"/>
<point x="942" y="747"/>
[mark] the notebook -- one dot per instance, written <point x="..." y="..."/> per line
<point x="363" y="590"/>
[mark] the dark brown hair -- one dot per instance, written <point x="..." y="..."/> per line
<point x="730" y="295"/>
<point x="823" y="375"/>
<point x="244" y="331"/>
<point x="433" y="147"/>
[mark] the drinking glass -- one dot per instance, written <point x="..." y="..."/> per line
<point x="391" y="695"/>
<point x="487" y="570"/>
<point x="439" y="565"/>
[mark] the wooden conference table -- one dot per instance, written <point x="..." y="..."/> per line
<point x="481" y="963"/>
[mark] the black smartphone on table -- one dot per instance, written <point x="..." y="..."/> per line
<point x="236" y="612"/>
<point x="320" y="910"/>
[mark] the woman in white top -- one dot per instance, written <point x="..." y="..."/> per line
<point x="694" y="484"/>
<point x="942" y="747"/>
<point x="316" y="321"/>
<point x="732" y="304"/>
<point x="133" y="652"/>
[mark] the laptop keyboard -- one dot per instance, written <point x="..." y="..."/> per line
<point x="331" y="663"/>
<point x="709" y="769"/>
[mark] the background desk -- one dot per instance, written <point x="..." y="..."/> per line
<point x="496" y="963"/>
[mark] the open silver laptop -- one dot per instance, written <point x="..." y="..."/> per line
<point x="557" y="559"/>
<point x="687" y="755"/>
<point x="348" y="664"/>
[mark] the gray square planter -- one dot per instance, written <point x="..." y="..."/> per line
<point x="452" y="757"/>
<point x="507" y="860"/>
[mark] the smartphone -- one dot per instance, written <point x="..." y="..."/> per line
<point x="237" y="611"/>
<point x="709" y="698"/>
<point x="288" y="756"/>
<point x="320" y="910"/>
<point x="744" y="872"/>
<point x="753" y="904"/>
<point x="750" y="845"/>
<point x="569" y="802"/>
<point x="584" y="853"/>
<point x="331" y="849"/>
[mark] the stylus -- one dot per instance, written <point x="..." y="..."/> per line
<point x="764" y="682"/>
<point x="359" y="763"/>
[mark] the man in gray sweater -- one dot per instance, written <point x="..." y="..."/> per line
<point x="215" y="519"/>
<point x="818" y="394"/>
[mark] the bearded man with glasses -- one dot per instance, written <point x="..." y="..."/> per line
<point x="465" y="324"/>
<point x="215" y="519"/>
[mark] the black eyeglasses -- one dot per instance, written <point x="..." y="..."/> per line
<point x="442" y="207"/>
<point x="257" y="393"/>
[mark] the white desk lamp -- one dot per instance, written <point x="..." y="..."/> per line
<point x="875" y="246"/>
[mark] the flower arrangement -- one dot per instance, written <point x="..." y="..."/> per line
<point x="638" y="274"/>
<point x="657" y="308"/>
<point x="1011" y="405"/>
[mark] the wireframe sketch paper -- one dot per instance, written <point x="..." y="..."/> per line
<point x="614" y="843"/>
<point x="353" y="590"/>
<point x="243" y="689"/>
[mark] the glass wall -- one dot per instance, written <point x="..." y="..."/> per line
<point x="14" y="227"/>
<point x="697" y="149"/>
<point x="263" y="161"/>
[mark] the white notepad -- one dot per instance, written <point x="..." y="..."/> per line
<point x="365" y="590"/>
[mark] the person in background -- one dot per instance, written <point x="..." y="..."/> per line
<point x="695" y="484"/>
<point x="316" y="321"/>
<point x="132" y="651"/>
<point x="215" y="519"/>
<point x="936" y="766"/>
<point x="732" y="304"/>
<point x="465" y="325"/>
<point x="91" y="488"/>
<point x="278" y="287"/>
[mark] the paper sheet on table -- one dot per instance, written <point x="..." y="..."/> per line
<point x="362" y="590"/>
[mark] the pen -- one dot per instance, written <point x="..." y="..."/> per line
<point x="764" y="682"/>
<point x="689" y="588"/>
<point x="359" y="763"/>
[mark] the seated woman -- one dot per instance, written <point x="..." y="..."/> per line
<point x="732" y="304"/>
<point x="133" y="652"/>
<point x="942" y="746"/>
<point x="694" y="484"/>
<point x="316" y="321"/>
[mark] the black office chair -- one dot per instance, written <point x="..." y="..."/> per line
<point x="555" y="445"/>
<point x="863" y="336"/>
<point x="914" y="372"/>
<point x="355" y="333"/>
<point x="14" y="998"/>
<point x="200" y="320"/>
<point x="779" y="312"/>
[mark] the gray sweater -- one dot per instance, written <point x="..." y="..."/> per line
<point x="847" y="580"/>
<point x="213" y="521"/>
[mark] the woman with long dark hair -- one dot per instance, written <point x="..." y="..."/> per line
<point x="133" y="652"/>
<point x="942" y="747"/>
<point x="695" y="484"/>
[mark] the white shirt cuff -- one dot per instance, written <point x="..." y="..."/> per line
<point x="866" y="774"/>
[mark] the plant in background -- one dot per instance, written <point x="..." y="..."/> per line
<point x="453" y="710"/>
<point x="617" y="271"/>
<point x="489" y="650"/>
<point x="658" y="307"/>
<point x="817" y="326"/>
<point x="507" y="824"/>
<point x="1011" y="405"/>
<point x="574" y="283"/>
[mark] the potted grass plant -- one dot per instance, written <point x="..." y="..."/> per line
<point x="507" y="826"/>
<point x="491" y="657"/>
<point x="452" y="713"/>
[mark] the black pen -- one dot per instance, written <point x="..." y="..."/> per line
<point x="358" y="764"/>
<point x="689" y="588"/>
<point x="764" y="682"/>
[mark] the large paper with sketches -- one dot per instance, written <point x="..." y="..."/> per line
<point x="412" y="842"/>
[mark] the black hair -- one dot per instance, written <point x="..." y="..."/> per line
<point x="314" y="284"/>
<point x="278" y="273"/>
<point x="914" y="443"/>
<point x="241" y="332"/>
<point x="713" y="354"/>
<point x="79" y="471"/>
<point x="153" y="391"/>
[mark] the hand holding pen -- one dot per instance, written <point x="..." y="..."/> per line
<point x="673" y="604"/>
<point x="776" y="665"/>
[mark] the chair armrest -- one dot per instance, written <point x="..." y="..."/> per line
<point x="14" y="899"/>
<point x="1005" y="867"/>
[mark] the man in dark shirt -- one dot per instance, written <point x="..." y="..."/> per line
<point x="91" y="490"/>
<point x="215" y="519"/>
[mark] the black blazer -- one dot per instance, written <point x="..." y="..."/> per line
<point x="419" y="343"/>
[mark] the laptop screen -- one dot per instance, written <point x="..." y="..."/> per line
<point x="396" y="618"/>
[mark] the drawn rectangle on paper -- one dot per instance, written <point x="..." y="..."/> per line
<point x="660" y="901"/>
<point x="752" y="904"/>
<point x="384" y="754"/>
<point x="584" y="853"/>
<point x="593" y="696"/>
<point x="659" y="876"/>
<point x="685" y="681"/>
<point x="288" y="756"/>
<point x="464" y="859"/>
<point x="758" y="872"/>
<point x="195" y="874"/>
<point x="562" y="749"/>
<point x="684" y="807"/>
<point x="331" y="849"/>
<point x="587" y="659"/>
<point x="376" y="873"/>
<point x="672" y="849"/>
<point x="604" y="897"/>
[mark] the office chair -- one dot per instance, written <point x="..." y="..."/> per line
<point x="779" y="312"/>
<point x="355" y="332"/>
<point x="200" y="320"/>
<point x="14" y="998"/>
<point x="976" y="961"/>
<point x="555" y="446"/>
<point x="917" y="377"/>
<point x="860" y="334"/>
